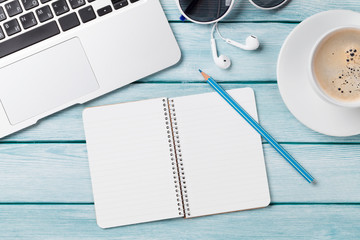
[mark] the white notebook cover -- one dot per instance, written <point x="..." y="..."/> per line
<point x="221" y="153"/>
<point x="131" y="155"/>
<point x="130" y="166"/>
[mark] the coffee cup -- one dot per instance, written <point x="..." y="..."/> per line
<point x="334" y="66"/>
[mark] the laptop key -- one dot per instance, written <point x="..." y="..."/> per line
<point x="28" y="20"/>
<point x="44" y="1"/>
<point x="13" y="8"/>
<point x="69" y="21"/>
<point x="87" y="14"/>
<point x="29" y="4"/>
<point x="2" y="14"/>
<point x="76" y="3"/>
<point x="60" y="7"/>
<point x="1" y="1"/>
<point x="28" y="38"/>
<point x="44" y="13"/>
<point x="119" y="3"/>
<point x="12" y="27"/>
<point x="105" y="10"/>
<point x="2" y="35"/>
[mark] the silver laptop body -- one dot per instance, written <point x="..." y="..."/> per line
<point x="78" y="51"/>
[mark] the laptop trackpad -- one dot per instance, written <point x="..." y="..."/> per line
<point x="46" y="80"/>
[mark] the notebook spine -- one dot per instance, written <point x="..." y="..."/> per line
<point x="179" y="159"/>
<point x="173" y="156"/>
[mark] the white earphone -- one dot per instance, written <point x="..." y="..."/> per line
<point x="224" y="62"/>
<point x="252" y="43"/>
<point x="221" y="61"/>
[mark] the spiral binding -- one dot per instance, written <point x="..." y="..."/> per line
<point x="173" y="156"/>
<point x="179" y="159"/>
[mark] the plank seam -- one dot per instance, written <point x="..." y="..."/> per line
<point x="271" y="204"/>
<point x="243" y="21"/>
<point x="202" y="82"/>
<point x="84" y="142"/>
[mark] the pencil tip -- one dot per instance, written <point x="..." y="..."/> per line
<point x="206" y="77"/>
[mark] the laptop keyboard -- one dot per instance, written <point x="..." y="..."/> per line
<point x="27" y="22"/>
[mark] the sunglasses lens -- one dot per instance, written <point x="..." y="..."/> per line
<point x="205" y="10"/>
<point x="268" y="3"/>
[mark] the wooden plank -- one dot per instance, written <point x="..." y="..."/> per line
<point x="295" y="10"/>
<point x="275" y="222"/>
<point x="59" y="173"/>
<point x="194" y="42"/>
<point x="274" y="115"/>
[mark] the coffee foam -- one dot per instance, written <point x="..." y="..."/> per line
<point x="336" y="65"/>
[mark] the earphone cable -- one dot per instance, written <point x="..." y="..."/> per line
<point x="215" y="27"/>
<point x="212" y="31"/>
<point x="218" y="31"/>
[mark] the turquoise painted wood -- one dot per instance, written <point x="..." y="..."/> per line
<point x="282" y="222"/>
<point x="194" y="40"/>
<point x="295" y="11"/>
<point x="59" y="173"/>
<point x="273" y="114"/>
<point x="45" y="190"/>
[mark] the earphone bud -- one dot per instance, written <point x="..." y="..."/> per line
<point x="221" y="61"/>
<point x="224" y="62"/>
<point x="252" y="43"/>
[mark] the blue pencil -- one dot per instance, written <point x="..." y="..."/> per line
<point x="257" y="127"/>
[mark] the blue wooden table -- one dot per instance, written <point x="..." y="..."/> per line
<point x="45" y="190"/>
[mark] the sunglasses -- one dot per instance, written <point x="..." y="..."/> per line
<point x="211" y="11"/>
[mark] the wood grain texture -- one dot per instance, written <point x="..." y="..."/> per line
<point x="52" y="174"/>
<point x="194" y="42"/>
<point x="295" y="10"/>
<point x="275" y="222"/>
<point x="60" y="173"/>
<point x="273" y="114"/>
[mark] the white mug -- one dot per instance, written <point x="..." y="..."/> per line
<point x="312" y="78"/>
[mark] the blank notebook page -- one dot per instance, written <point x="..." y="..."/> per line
<point x="222" y="154"/>
<point x="130" y="163"/>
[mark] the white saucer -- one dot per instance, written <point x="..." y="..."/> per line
<point x="293" y="82"/>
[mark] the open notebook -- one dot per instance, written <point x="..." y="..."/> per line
<point x="180" y="157"/>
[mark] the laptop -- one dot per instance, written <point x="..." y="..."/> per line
<point x="58" y="53"/>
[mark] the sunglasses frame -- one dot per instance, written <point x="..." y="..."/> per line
<point x="214" y="21"/>
<point x="271" y="8"/>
